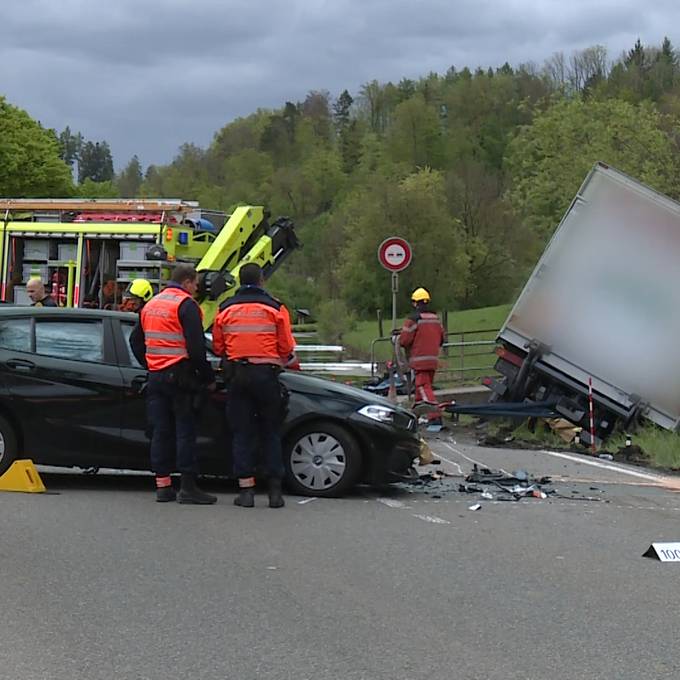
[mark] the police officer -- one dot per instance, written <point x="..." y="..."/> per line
<point x="423" y="335"/>
<point x="252" y="331"/>
<point x="169" y="341"/>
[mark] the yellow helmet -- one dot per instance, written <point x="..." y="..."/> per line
<point x="420" y="295"/>
<point x="140" y="288"/>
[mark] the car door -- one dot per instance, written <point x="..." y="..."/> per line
<point x="65" y="388"/>
<point x="213" y="441"/>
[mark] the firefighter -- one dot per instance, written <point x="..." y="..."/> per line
<point x="36" y="291"/>
<point x="136" y="295"/>
<point x="422" y="335"/>
<point x="169" y="341"/>
<point x="252" y="332"/>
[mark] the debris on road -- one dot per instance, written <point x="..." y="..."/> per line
<point x="477" y="506"/>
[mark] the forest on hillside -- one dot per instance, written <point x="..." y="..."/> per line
<point x="474" y="168"/>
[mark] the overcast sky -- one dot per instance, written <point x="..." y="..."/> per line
<point x="148" y="75"/>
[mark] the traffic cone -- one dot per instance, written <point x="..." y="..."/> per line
<point x="22" y="476"/>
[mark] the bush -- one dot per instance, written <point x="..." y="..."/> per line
<point x="334" y="321"/>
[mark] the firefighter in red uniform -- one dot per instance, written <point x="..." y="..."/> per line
<point x="252" y="332"/>
<point x="422" y="335"/>
<point x="169" y="341"/>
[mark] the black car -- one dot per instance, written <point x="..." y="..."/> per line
<point x="71" y="394"/>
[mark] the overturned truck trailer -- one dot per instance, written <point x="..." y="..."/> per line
<point x="602" y="305"/>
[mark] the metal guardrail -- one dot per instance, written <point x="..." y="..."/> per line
<point x="461" y="354"/>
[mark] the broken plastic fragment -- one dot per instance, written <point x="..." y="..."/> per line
<point x="476" y="506"/>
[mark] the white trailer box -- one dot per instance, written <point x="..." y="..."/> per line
<point x="605" y="297"/>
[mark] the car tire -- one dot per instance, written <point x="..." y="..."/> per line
<point x="9" y="448"/>
<point x="322" y="459"/>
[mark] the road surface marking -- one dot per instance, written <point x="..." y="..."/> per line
<point x="607" y="466"/>
<point x="472" y="460"/>
<point x="432" y="519"/>
<point x="656" y="479"/>
<point x="391" y="503"/>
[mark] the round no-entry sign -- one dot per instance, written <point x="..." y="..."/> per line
<point x="395" y="254"/>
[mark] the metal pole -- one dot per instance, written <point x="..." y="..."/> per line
<point x="395" y="290"/>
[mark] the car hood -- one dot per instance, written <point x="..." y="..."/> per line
<point x="299" y="382"/>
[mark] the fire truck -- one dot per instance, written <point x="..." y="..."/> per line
<point x="86" y="251"/>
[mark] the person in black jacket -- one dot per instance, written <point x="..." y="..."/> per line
<point x="168" y="340"/>
<point x="36" y="291"/>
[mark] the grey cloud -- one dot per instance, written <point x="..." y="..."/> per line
<point x="148" y="75"/>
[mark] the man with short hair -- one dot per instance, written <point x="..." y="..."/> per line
<point x="39" y="298"/>
<point x="169" y="341"/>
<point x="252" y="332"/>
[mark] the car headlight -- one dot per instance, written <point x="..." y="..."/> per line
<point x="383" y="414"/>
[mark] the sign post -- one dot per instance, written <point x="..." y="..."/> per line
<point x="394" y="254"/>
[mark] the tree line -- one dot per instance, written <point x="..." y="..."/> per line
<point x="475" y="168"/>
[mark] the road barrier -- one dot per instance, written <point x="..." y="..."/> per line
<point x="465" y="355"/>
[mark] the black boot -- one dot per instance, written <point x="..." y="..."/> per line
<point x="165" y="494"/>
<point x="246" y="497"/>
<point x="190" y="493"/>
<point x="275" y="497"/>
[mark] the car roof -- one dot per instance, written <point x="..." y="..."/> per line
<point x="16" y="310"/>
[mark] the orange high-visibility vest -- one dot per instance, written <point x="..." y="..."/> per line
<point x="163" y="332"/>
<point x="255" y="327"/>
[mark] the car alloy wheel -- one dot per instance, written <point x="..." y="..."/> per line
<point x="318" y="461"/>
<point x="322" y="459"/>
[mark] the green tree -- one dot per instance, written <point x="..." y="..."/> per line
<point x="69" y="146"/>
<point x="95" y="162"/>
<point x="415" y="135"/>
<point x="130" y="179"/>
<point x="341" y="111"/>
<point x="29" y="157"/>
<point x="549" y="159"/>
<point x="416" y="209"/>
<point x="91" y="189"/>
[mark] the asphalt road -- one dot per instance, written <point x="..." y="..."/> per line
<point x="98" y="581"/>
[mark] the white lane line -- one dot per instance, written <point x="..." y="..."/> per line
<point x="451" y="462"/>
<point x="658" y="479"/>
<point x="432" y="519"/>
<point x="391" y="503"/>
<point x="471" y="460"/>
<point x="607" y="466"/>
<point x="398" y="505"/>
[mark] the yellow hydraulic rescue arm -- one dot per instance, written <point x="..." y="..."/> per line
<point x="246" y="237"/>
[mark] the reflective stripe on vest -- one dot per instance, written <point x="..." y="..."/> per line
<point x="249" y="328"/>
<point x="251" y="332"/>
<point x="163" y="332"/>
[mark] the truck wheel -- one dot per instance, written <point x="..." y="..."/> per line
<point x="9" y="448"/>
<point x="322" y="459"/>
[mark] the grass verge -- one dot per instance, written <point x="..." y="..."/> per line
<point x="485" y="318"/>
<point x="661" y="447"/>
